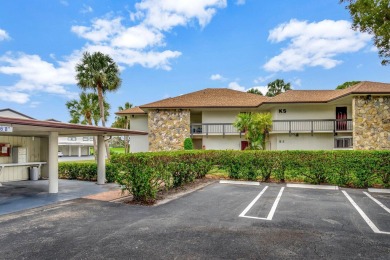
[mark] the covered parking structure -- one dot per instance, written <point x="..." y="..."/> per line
<point x="40" y="140"/>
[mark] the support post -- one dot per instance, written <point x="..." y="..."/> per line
<point x="53" y="162"/>
<point x="101" y="161"/>
<point x="79" y="150"/>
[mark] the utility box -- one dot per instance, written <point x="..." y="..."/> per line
<point x="19" y="154"/>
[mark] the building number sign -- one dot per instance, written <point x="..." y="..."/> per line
<point x="7" y="129"/>
<point x="282" y="111"/>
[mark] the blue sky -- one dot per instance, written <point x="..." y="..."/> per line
<point x="170" y="47"/>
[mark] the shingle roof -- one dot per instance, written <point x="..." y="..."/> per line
<point x="323" y="96"/>
<point x="131" y="111"/>
<point x="210" y="98"/>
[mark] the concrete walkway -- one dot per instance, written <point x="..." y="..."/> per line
<point x="20" y="195"/>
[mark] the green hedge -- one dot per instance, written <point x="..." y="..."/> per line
<point x="84" y="171"/>
<point x="143" y="174"/>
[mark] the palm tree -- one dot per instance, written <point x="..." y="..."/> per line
<point x="123" y="122"/>
<point x="86" y="111"/>
<point x="100" y="73"/>
<point x="255" y="126"/>
<point x="276" y="87"/>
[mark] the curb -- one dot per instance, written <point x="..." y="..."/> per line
<point x="253" y="183"/>
<point x="378" y="190"/>
<point x="310" y="186"/>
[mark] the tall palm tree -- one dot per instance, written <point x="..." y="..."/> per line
<point x="100" y="73"/>
<point x="86" y="111"/>
<point x="123" y="122"/>
<point x="276" y="87"/>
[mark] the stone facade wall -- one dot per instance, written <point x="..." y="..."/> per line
<point x="168" y="129"/>
<point x="371" y="123"/>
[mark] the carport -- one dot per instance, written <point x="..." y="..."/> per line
<point x="41" y="137"/>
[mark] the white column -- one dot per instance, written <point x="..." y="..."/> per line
<point x="79" y="151"/>
<point x="70" y="150"/>
<point x="53" y="162"/>
<point x="101" y="161"/>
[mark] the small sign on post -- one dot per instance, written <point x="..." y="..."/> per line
<point x="6" y="129"/>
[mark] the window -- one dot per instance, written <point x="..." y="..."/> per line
<point x="71" y="138"/>
<point x="85" y="138"/>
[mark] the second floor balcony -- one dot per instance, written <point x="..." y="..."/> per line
<point x="278" y="126"/>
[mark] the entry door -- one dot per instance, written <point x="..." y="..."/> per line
<point x="244" y="145"/>
<point x="341" y="115"/>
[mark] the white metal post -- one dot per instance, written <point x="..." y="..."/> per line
<point x="101" y="161"/>
<point x="53" y="162"/>
<point x="79" y="151"/>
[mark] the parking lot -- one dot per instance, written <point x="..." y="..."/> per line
<point x="220" y="221"/>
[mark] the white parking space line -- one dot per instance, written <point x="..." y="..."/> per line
<point x="253" y="202"/>
<point x="377" y="202"/>
<point x="364" y="216"/>
<point x="311" y="186"/>
<point x="273" y="209"/>
<point x="254" y="183"/>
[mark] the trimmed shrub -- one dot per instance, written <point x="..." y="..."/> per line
<point x="188" y="144"/>
<point x="86" y="171"/>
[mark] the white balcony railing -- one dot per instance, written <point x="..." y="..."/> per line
<point x="278" y="126"/>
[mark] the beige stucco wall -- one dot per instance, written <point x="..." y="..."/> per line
<point x="139" y="143"/>
<point x="371" y="123"/>
<point x="11" y="114"/>
<point x="308" y="111"/>
<point x="219" y="116"/>
<point x="168" y="129"/>
<point x="222" y="143"/>
<point x="17" y="173"/>
<point x="139" y="122"/>
<point x="302" y="142"/>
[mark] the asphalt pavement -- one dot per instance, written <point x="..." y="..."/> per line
<point x="206" y="224"/>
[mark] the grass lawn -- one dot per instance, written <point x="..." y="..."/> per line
<point x="117" y="150"/>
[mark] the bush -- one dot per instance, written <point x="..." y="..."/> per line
<point x="86" y="171"/>
<point x="188" y="145"/>
<point x="143" y="174"/>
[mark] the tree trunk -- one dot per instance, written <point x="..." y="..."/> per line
<point x="101" y="106"/>
<point x="95" y="151"/>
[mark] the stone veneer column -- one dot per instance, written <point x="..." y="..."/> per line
<point x="168" y="128"/>
<point x="371" y="123"/>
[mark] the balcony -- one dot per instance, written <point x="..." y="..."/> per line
<point x="312" y="126"/>
<point x="279" y="126"/>
<point x="213" y="129"/>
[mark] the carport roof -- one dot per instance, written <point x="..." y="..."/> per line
<point x="27" y="127"/>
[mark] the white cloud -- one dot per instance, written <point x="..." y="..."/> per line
<point x="166" y="14"/>
<point x="34" y="104"/>
<point x="240" y="2"/>
<point x="86" y="9"/>
<point x="3" y="35"/>
<point x="36" y="74"/>
<point x="314" y="44"/>
<point x="217" y="77"/>
<point x="263" y="79"/>
<point x="139" y="43"/>
<point x="138" y="37"/>
<point x="11" y="96"/>
<point x="101" y="29"/>
<point x="236" y="86"/>
<point x="296" y="82"/>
